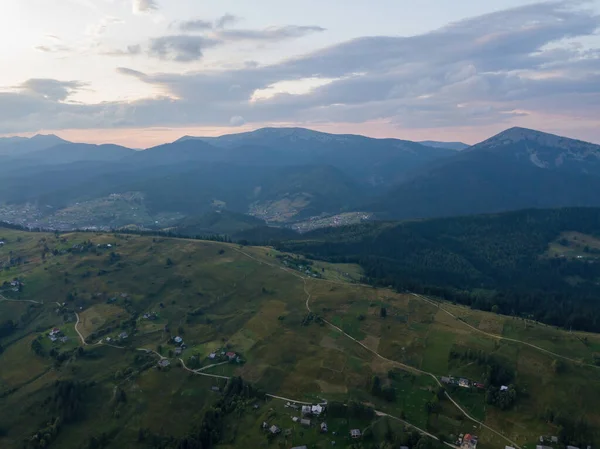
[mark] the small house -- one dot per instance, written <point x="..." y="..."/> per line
<point x="355" y="433"/>
<point x="215" y="389"/>
<point x="480" y="385"/>
<point x="572" y="447"/>
<point x="404" y="447"/>
<point x="554" y="439"/>
<point x="212" y="356"/>
<point x="178" y="351"/>
<point x="316" y="410"/>
<point x="163" y="363"/>
<point x="274" y="429"/>
<point x="306" y="410"/>
<point x="300" y="447"/>
<point x="178" y="339"/>
<point x="230" y="355"/>
<point x="295" y="419"/>
<point x="505" y="388"/>
<point x="446" y="380"/>
<point x="305" y="422"/>
<point x="324" y="427"/>
<point x="464" y="383"/>
<point x="123" y="335"/>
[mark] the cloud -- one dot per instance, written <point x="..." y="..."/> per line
<point x="102" y="26"/>
<point x="225" y="20"/>
<point x="130" y="50"/>
<point x="195" y="25"/>
<point x="237" y="120"/>
<point x="50" y="89"/>
<point x="180" y="48"/>
<point x="144" y="6"/>
<point x="54" y="48"/>
<point x="494" y="69"/>
<point x="204" y="25"/>
<point x="268" y="34"/>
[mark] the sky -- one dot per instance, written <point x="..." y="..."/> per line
<point x="145" y="72"/>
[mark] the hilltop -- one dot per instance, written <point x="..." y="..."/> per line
<point x="303" y="330"/>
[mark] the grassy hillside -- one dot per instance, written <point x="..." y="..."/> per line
<point x="253" y="301"/>
<point x="485" y="261"/>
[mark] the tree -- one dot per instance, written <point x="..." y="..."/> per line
<point x="383" y="312"/>
<point x="376" y="386"/>
<point x="557" y="366"/>
<point x="495" y="309"/>
<point x="389" y="393"/>
<point x="169" y="262"/>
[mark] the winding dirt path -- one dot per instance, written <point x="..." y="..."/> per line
<point x="209" y="366"/>
<point x="83" y="342"/>
<point x="401" y="365"/>
<point x="2" y="298"/>
<point x="500" y="337"/>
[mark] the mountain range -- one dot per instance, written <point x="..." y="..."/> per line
<point x="286" y="175"/>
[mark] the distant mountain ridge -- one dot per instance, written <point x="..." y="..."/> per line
<point x="283" y="175"/>
<point x="458" y="146"/>
<point x="516" y="169"/>
<point x="19" y="146"/>
<point x="377" y="162"/>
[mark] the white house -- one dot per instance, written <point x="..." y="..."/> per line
<point x="316" y="410"/>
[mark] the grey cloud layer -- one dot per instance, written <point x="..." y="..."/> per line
<point x="189" y="47"/>
<point x="50" y="89"/>
<point x="180" y="48"/>
<point x="483" y="70"/>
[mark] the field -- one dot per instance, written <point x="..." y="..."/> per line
<point x="221" y="297"/>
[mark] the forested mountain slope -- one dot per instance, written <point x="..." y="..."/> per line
<point x="516" y="169"/>
<point x="485" y="261"/>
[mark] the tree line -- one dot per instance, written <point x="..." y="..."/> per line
<point x="491" y="262"/>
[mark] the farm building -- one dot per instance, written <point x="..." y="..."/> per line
<point x="305" y="422"/>
<point x="469" y="441"/>
<point x="316" y="410"/>
<point x="355" y="433"/>
<point x="274" y="429"/>
<point x="324" y="427"/>
<point x="306" y="410"/>
<point x="163" y="363"/>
